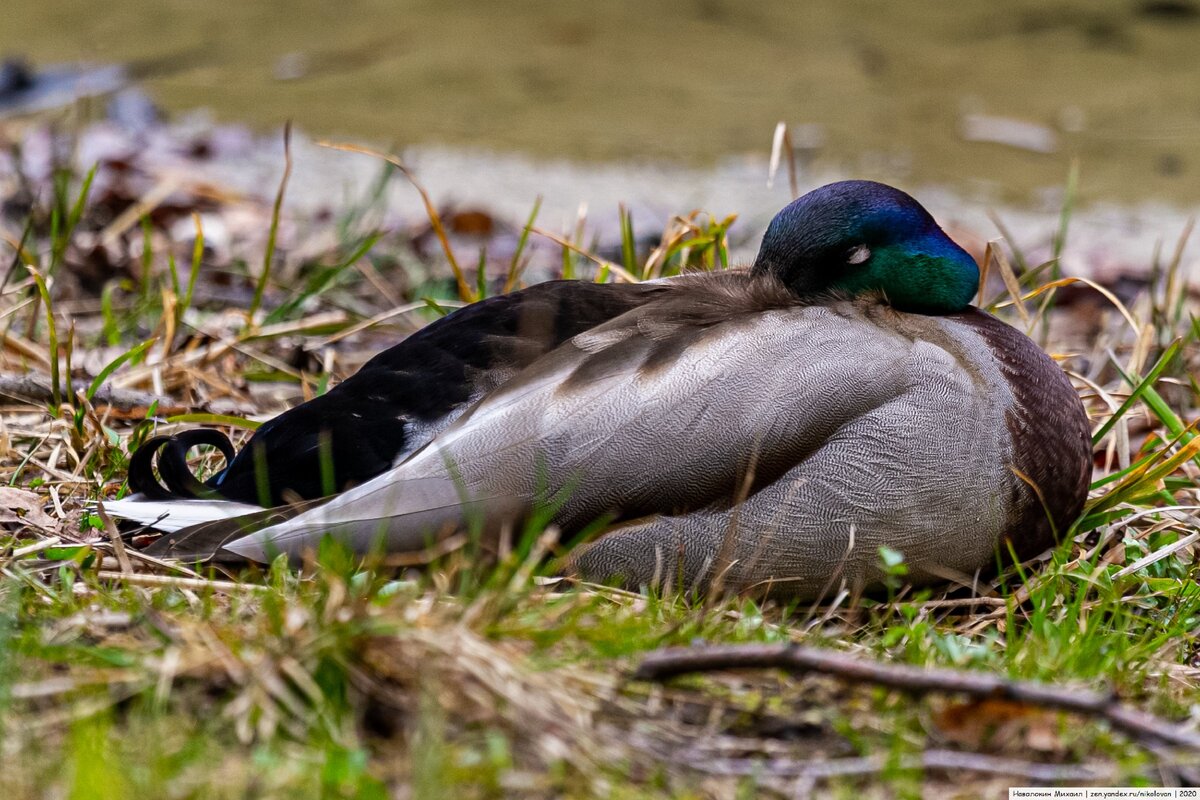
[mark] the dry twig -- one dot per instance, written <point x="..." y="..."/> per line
<point x="669" y="662"/>
<point x="199" y="584"/>
<point x="36" y="389"/>
<point x="939" y="760"/>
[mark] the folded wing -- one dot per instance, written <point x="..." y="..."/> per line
<point x="671" y="409"/>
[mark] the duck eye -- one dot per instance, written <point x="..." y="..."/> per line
<point x="858" y="254"/>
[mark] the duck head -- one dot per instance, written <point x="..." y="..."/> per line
<point x="862" y="236"/>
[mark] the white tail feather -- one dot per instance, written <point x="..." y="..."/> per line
<point x="171" y="515"/>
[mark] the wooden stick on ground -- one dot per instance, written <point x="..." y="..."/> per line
<point x="36" y="389"/>
<point x="198" y="584"/>
<point x="673" y="661"/>
<point x="943" y="760"/>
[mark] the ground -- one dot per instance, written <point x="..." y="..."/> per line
<point x="124" y="676"/>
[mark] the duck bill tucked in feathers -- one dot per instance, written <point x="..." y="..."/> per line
<point x="741" y="431"/>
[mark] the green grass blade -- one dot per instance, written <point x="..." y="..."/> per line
<point x="514" y="266"/>
<point x="321" y="281"/>
<point x="19" y="254"/>
<point x="172" y="275"/>
<point x="1139" y="389"/>
<point x="1064" y="219"/>
<point x="440" y="309"/>
<point x="111" y="329"/>
<point x="273" y="234"/>
<point x="112" y="366"/>
<point x="1158" y="406"/>
<point x="52" y="336"/>
<point x="194" y="273"/>
<point x="481" y="275"/>
<point x="217" y="419"/>
<point x="63" y="234"/>
<point x="147" y="259"/>
<point x="628" y="243"/>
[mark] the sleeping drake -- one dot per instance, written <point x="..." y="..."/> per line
<point x="770" y="429"/>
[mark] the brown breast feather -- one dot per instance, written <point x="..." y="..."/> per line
<point x="1051" y="441"/>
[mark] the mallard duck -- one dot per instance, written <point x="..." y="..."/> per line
<point x="766" y="430"/>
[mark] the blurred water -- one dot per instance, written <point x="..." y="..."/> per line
<point x="905" y="91"/>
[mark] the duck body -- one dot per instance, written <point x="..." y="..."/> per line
<point x="764" y="430"/>
<point x="754" y="492"/>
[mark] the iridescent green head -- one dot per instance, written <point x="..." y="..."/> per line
<point x="861" y="236"/>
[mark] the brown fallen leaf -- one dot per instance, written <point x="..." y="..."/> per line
<point x="471" y="222"/>
<point x="1000" y="724"/>
<point x="25" y="509"/>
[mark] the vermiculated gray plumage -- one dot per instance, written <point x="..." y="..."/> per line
<point x="841" y="427"/>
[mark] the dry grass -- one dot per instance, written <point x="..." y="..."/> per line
<point x="122" y="675"/>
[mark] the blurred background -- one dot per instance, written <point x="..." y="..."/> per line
<point x="668" y="106"/>
<point x="885" y="88"/>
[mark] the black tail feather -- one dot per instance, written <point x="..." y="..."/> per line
<point x="171" y="452"/>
